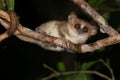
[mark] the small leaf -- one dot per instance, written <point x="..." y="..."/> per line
<point x="87" y="65"/>
<point x="77" y="77"/>
<point x="108" y="62"/>
<point x="84" y="77"/>
<point x="61" y="66"/>
<point x="118" y="28"/>
<point x="10" y="4"/>
<point x="92" y="2"/>
<point x="106" y="15"/>
<point x="102" y="49"/>
<point x="1" y="5"/>
<point x="96" y="4"/>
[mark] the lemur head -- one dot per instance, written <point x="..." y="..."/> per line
<point x="81" y="27"/>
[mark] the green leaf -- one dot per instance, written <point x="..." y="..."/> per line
<point x="1" y="5"/>
<point x="84" y="77"/>
<point x="77" y="77"/>
<point x="106" y="15"/>
<point x="10" y="4"/>
<point x="92" y="2"/>
<point x="61" y="66"/>
<point x="97" y="4"/>
<point x="108" y="61"/>
<point x="102" y="49"/>
<point x="87" y="65"/>
<point x="118" y="28"/>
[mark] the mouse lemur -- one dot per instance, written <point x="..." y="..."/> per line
<point x="75" y="30"/>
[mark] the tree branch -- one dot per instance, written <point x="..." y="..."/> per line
<point x="29" y="35"/>
<point x="13" y="23"/>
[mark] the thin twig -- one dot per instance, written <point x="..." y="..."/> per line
<point x="51" y="69"/>
<point x="73" y="72"/>
<point x="111" y="71"/>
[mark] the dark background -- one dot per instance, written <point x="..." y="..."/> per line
<point x="21" y="60"/>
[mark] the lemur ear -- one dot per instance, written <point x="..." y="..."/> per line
<point x="72" y="17"/>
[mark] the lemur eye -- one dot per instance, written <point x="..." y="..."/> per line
<point x="85" y="29"/>
<point x="77" y="26"/>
